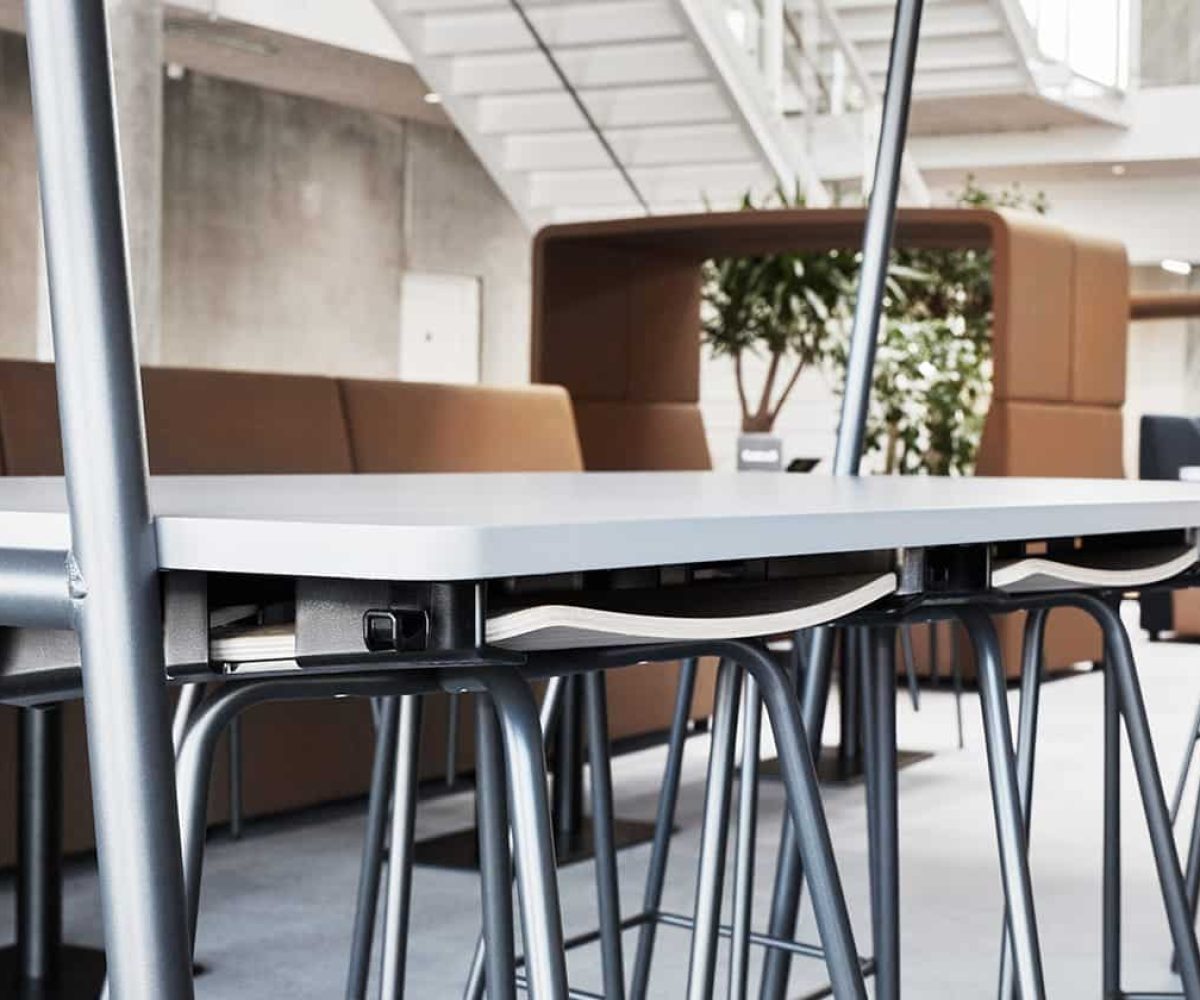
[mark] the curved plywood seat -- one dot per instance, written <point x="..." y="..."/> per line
<point x="630" y="617"/>
<point x="1119" y="568"/>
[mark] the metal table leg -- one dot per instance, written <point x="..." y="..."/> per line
<point x="1111" y="905"/>
<point x="1031" y="686"/>
<point x="714" y="835"/>
<point x="595" y="695"/>
<point x="399" y="879"/>
<point x="743" y="870"/>
<point x="1006" y="803"/>
<point x="39" y="964"/>
<point x="371" y="867"/>
<point x="886" y="901"/>
<point x="497" y="957"/>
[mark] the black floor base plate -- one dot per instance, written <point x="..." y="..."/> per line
<point x="458" y="850"/>
<point x="80" y="976"/>
<point x="832" y="770"/>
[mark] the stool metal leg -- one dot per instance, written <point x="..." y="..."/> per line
<point x="533" y="841"/>
<point x="547" y="715"/>
<point x="789" y="874"/>
<point x="808" y="820"/>
<point x="886" y="903"/>
<point x="1006" y="803"/>
<point x="1186" y="767"/>
<point x="1027" y="720"/>
<point x="743" y="870"/>
<point x="663" y="825"/>
<point x="1191" y="876"/>
<point x="608" y="900"/>
<point x="495" y="866"/>
<point x="868" y="684"/>
<point x="367" y="901"/>
<point x="1154" y="805"/>
<point x="713" y="836"/>
<point x="1111" y="905"/>
<point x="400" y="853"/>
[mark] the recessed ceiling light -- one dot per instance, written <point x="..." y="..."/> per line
<point x="175" y="71"/>
<point x="432" y="97"/>
<point x="1180" y="267"/>
<point x="1118" y="169"/>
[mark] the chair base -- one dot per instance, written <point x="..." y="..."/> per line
<point x="459" y="850"/>
<point x="79" y="975"/>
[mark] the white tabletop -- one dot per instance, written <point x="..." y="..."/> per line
<point x="478" y="526"/>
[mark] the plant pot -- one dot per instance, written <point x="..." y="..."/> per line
<point x="759" y="452"/>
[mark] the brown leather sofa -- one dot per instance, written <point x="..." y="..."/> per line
<point x="616" y="307"/>
<point x="213" y="422"/>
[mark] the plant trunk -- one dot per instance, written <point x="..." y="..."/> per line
<point x="758" y="423"/>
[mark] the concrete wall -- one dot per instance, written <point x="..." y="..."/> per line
<point x="287" y="223"/>
<point x="1170" y="42"/>
<point x="19" y="240"/>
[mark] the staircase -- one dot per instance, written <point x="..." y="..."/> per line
<point x="604" y="108"/>
<point x="983" y="65"/>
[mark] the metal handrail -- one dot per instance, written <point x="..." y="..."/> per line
<point x="580" y="105"/>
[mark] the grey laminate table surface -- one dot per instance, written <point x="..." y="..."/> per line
<point x="480" y="526"/>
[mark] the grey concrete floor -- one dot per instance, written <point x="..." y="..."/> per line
<point x="277" y="905"/>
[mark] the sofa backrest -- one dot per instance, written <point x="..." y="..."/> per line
<point x="197" y="422"/>
<point x="225" y="422"/>
<point x="422" y="427"/>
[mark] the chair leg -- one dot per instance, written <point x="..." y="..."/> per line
<point x="789" y="873"/>
<point x="595" y="696"/>
<point x="400" y="852"/>
<point x="743" y="869"/>
<point x="1191" y="874"/>
<point x="1027" y="721"/>
<point x="664" y="823"/>
<point x="1006" y="803"/>
<point x="495" y="865"/>
<point x="1186" y="767"/>
<point x="808" y="820"/>
<point x="374" y="839"/>
<point x="714" y="836"/>
<point x="1154" y="805"/>
<point x="533" y="841"/>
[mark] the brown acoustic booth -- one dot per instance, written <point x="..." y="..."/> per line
<point x="616" y="322"/>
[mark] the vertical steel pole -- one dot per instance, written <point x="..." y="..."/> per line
<point x="115" y="558"/>
<point x="877" y="238"/>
